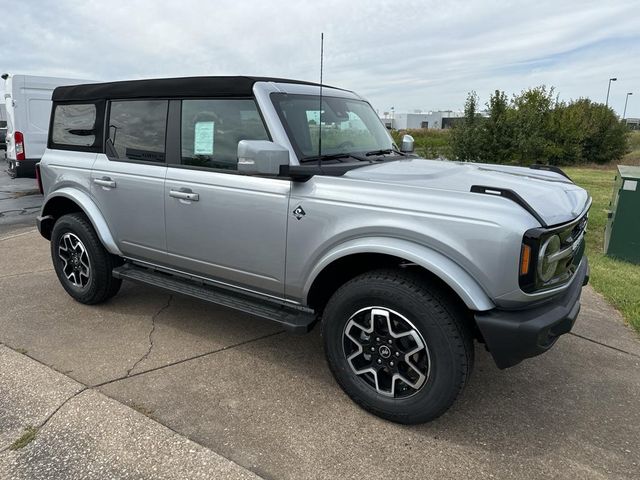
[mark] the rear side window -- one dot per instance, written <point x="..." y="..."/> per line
<point x="211" y="130"/>
<point x="74" y="125"/>
<point x="137" y="130"/>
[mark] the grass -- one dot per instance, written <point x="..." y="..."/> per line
<point x="147" y="412"/>
<point x="27" y="437"/>
<point x="616" y="280"/>
<point x="633" y="156"/>
<point x="429" y="143"/>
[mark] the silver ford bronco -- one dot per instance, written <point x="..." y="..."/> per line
<point x="291" y="202"/>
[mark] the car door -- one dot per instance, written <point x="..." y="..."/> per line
<point x="127" y="181"/>
<point x="220" y="224"/>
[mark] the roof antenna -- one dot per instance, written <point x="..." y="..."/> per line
<point x="320" y="111"/>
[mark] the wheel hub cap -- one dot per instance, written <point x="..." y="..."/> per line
<point x="76" y="266"/>
<point x="386" y="351"/>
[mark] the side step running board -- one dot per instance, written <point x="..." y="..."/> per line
<point x="295" y="320"/>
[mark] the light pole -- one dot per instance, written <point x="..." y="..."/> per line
<point x="608" y="89"/>
<point x="625" y="105"/>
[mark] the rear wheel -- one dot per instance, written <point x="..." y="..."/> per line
<point x="398" y="347"/>
<point x="81" y="262"/>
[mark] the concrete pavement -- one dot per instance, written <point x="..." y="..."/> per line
<point x="83" y="434"/>
<point x="264" y="401"/>
<point x="20" y="200"/>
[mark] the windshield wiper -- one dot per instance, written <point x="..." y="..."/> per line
<point x="333" y="156"/>
<point x="386" y="151"/>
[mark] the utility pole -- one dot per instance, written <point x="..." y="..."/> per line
<point x="608" y="89"/>
<point x="624" y="115"/>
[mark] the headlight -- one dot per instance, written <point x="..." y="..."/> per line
<point x="546" y="265"/>
<point x="550" y="256"/>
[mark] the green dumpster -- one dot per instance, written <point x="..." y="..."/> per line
<point x="622" y="234"/>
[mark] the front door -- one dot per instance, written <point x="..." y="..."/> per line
<point x="128" y="181"/>
<point x="222" y="225"/>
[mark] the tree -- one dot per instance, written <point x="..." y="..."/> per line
<point x="532" y="124"/>
<point x="466" y="143"/>
<point x="497" y="141"/>
<point x="606" y="137"/>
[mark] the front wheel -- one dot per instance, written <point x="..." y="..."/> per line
<point x="397" y="346"/>
<point x="82" y="264"/>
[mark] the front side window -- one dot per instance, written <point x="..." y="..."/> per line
<point x="211" y="130"/>
<point x="74" y="125"/>
<point x="346" y="125"/>
<point x="137" y="130"/>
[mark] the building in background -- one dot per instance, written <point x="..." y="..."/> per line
<point x="633" y="123"/>
<point x="434" y="120"/>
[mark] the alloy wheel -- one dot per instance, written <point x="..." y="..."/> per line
<point x="386" y="351"/>
<point x="76" y="267"/>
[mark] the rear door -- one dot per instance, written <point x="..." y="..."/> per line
<point x="127" y="180"/>
<point x="220" y="224"/>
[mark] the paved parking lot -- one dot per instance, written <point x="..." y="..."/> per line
<point x="20" y="200"/>
<point x="220" y="392"/>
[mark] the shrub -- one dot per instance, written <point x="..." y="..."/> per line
<point x="536" y="128"/>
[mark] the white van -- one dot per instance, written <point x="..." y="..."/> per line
<point x="28" y="104"/>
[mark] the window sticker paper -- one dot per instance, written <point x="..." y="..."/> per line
<point x="203" y="138"/>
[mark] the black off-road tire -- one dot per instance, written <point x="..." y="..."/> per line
<point x="101" y="285"/>
<point x="438" y="318"/>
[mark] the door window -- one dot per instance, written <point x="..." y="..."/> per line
<point x="211" y="130"/>
<point x="137" y="130"/>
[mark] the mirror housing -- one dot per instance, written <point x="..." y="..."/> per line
<point x="407" y="144"/>
<point x="261" y="157"/>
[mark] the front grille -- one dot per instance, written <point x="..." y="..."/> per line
<point x="571" y="237"/>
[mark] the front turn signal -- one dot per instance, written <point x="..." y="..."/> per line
<point x="525" y="259"/>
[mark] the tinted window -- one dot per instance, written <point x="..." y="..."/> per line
<point x="137" y="130"/>
<point x="211" y="130"/>
<point x="74" y="125"/>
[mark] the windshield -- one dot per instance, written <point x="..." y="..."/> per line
<point x="348" y="126"/>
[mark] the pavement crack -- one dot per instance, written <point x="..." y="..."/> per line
<point x="604" y="344"/>
<point x="195" y="357"/>
<point x="43" y="424"/>
<point x="26" y="273"/>
<point x="153" y="329"/>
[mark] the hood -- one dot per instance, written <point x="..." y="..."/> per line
<point x="553" y="197"/>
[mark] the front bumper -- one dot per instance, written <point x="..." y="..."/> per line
<point x="513" y="335"/>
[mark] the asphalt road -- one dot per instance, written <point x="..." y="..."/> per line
<point x="151" y="385"/>
<point x="20" y="200"/>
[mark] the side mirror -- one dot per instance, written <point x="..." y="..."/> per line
<point x="261" y="157"/>
<point x="407" y="144"/>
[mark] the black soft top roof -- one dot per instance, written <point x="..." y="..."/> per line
<point x="166" y="87"/>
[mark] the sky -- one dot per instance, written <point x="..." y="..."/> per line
<point x="410" y="55"/>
